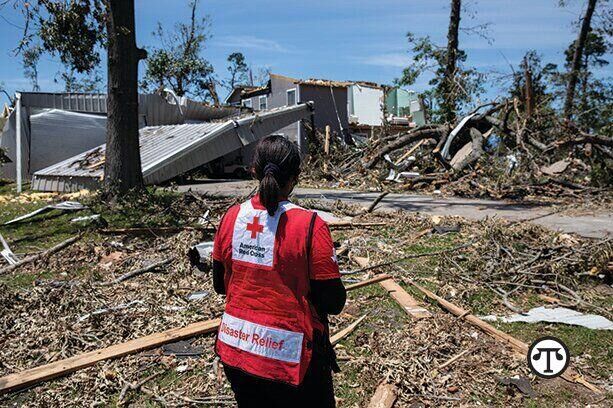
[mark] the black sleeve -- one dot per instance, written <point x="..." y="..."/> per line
<point x="328" y="296"/>
<point x="218" y="277"/>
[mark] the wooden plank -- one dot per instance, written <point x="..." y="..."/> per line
<point x="410" y="151"/>
<point x="14" y="382"/>
<point x="346" y="331"/>
<point x="384" y="397"/>
<point x="367" y="282"/>
<point x="408" y="303"/>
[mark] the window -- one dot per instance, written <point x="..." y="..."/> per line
<point x="247" y="103"/>
<point x="291" y="97"/>
<point x="263" y="103"/>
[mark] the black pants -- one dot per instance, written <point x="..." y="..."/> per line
<point x="316" y="390"/>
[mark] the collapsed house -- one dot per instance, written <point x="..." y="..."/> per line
<point x="346" y="107"/>
<point x="46" y="128"/>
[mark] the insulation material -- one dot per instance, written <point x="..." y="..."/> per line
<point x="557" y="315"/>
<point x="58" y="135"/>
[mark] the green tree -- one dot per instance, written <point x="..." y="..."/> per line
<point x="30" y="57"/>
<point x="593" y="96"/>
<point x="237" y="69"/>
<point x="443" y="99"/>
<point x="453" y="85"/>
<point x="76" y="31"/>
<point x="178" y="63"/>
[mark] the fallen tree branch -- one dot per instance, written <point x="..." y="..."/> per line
<point x="428" y="132"/>
<point x="138" y="272"/>
<point x="405" y="258"/>
<point x="377" y="200"/>
<point x="41" y="255"/>
<point x="592" y="139"/>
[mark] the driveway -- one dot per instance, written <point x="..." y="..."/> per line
<point x="593" y="225"/>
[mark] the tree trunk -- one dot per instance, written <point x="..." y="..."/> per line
<point x="577" y="56"/>
<point x="122" y="169"/>
<point x="529" y="93"/>
<point x="213" y="92"/>
<point x="450" y="107"/>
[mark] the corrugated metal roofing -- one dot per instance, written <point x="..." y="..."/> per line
<point x="168" y="151"/>
<point x="156" y="109"/>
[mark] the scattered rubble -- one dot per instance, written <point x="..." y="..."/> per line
<point x="485" y="155"/>
<point x="440" y="360"/>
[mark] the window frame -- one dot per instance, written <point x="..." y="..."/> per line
<point x="287" y="96"/>
<point x="248" y="103"/>
<point x="265" y="98"/>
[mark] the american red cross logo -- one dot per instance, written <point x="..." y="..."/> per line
<point x="255" y="227"/>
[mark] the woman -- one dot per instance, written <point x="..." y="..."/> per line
<point x="276" y="264"/>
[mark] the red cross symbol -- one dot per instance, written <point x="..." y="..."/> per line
<point x="255" y="227"/>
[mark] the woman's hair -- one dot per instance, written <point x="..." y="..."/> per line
<point x="275" y="163"/>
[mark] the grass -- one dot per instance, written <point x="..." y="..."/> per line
<point x="154" y="208"/>
<point x="596" y="346"/>
<point x="344" y="389"/>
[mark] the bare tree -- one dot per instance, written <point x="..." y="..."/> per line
<point x="577" y="58"/>
<point x="452" y="56"/>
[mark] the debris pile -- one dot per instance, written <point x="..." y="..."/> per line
<point x="485" y="155"/>
<point x="133" y="278"/>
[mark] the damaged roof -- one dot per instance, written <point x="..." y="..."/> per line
<point x="169" y="151"/>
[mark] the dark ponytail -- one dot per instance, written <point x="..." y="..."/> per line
<point x="276" y="163"/>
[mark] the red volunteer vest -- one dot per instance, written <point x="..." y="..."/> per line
<point x="267" y="327"/>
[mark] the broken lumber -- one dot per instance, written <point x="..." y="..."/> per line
<point x="517" y="345"/>
<point x="410" y="305"/>
<point x="23" y="379"/>
<point x="41" y="255"/>
<point x="384" y="397"/>
<point x="346" y="331"/>
<point x="409" y="152"/>
<point x="367" y="282"/>
<point x="406" y="301"/>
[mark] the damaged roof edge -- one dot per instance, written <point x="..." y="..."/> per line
<point x="169" y="151"/>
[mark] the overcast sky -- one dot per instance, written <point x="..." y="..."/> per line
<point x="340" y="39"/>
